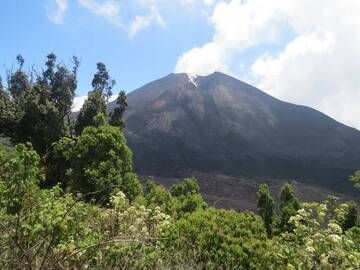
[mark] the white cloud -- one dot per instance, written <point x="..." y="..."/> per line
<point x="79" y="101"/>
<point x="298" y="67"/>
<point x="237" y="26"/>
<point x="126" y="14"/>
<point x="142" y="22"/>
<point x="206" y="3"/>
<point x="110" y="10"/>
<point x="56" y="10"/>
<point x="204" y="60"/>
<point x="317" y="67"/>
<point x="159" y="3"/>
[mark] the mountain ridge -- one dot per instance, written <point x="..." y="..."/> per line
<point x="220" y="124"/>
<point x="245" y="83"/>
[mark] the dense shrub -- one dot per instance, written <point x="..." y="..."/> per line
<point x="315" y="243"/>
<point x="219" y="239"/>
<point x="97" y="164"/>
<point x="51" y="229"/>
<point x="47" y="229"/>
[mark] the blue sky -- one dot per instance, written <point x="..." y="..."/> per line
<point x="301" y="51"/>
<point x="26" y="29"/>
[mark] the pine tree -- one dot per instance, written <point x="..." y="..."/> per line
<point x="289" y="205"/>
<point x="356" y="179"/>
<point x="102" y="81"/>
<point x="265" y="206"/>
<point x="18" y="81"/>
<point x="42" y="106"/>
<point x="97" y="163"/>
<point x="116" y="117"/>
<point x="97" y="98"/>
<point x="95" y="104"/>
<point x="351" y="216"/>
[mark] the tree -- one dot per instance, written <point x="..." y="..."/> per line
<point x="18" y="82"/>
<point x="48" y="74"/>
<point x="97" y="99"/>
<point x="131" y="186"/>
<point x="38" y="110"/>
<point x="20" y="176"/>
<point x="189" y="186"/>
<point x="39" y="226"/>
<point x="102" y="81"/>
<point x="116" y="117"/>
<point x="94" y="105"/>
<point x="63" y="84"/>
<point x="265" y="206"/>
<point x="289" y="205"/>
<point x="356" y="179"/>
<point x="332" y="202"/>
<point x="39" y="123"/>
<point x="6" y="111"/>
<point x="20" y="60"/>
<point x="12" y="99"/>
<point x="58" y="161"/>
<point x="47" y="229"/>
<point x="186" y="197"/>
<point x="157" y="195"/>
<point x="345" y="214"/>
<point x="98" y="164"/>
<point x="350" y="217"/>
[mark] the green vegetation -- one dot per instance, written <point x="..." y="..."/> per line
<point x="356" y="179"/>
<point x="69" y="198"/>
<point x="289" y="205"/>
<point x="97" y="163"/>
<point x="265" y="204"/>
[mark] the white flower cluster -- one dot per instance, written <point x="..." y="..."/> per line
<point x="136" y="221"/>
<point x="316" y="242"/>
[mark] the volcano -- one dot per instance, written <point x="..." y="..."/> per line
<point x="217" y="124"/>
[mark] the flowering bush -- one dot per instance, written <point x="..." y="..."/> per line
<point x="50" y="229"/>
<point x="315" y="243"/>
<point x="47" y="229"/>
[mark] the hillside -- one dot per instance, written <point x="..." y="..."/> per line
<point x="217" y="124"/>
<point x="70" y="197"/>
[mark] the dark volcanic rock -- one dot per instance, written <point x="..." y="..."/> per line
<point x="218" y="124"/>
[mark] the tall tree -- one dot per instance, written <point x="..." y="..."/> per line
<point x="41" y="108"/>
<point x="39" y="123"/>
<point x="356" y="179"/>
<point x="97" y="163"/>
<point x="116" y="116"/>
<point x="102" y="81"/>
<point x="18" y="81"/>
<point x="94" y="105"/>
<point x="13" y="98"/>
<point x="289" y="205"/>
<point x="97" y="99"/>
<point x="5" y="110"/>
<point x="186" y="197"/>
<point x="62" y="86"/>
<point x="265" y="206"/>
<point x="48" y="74"/>
<point x="351" y="216"/>
<point x="188" y="186"/>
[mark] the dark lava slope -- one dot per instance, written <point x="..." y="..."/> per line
<point x="217" y="124"/>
